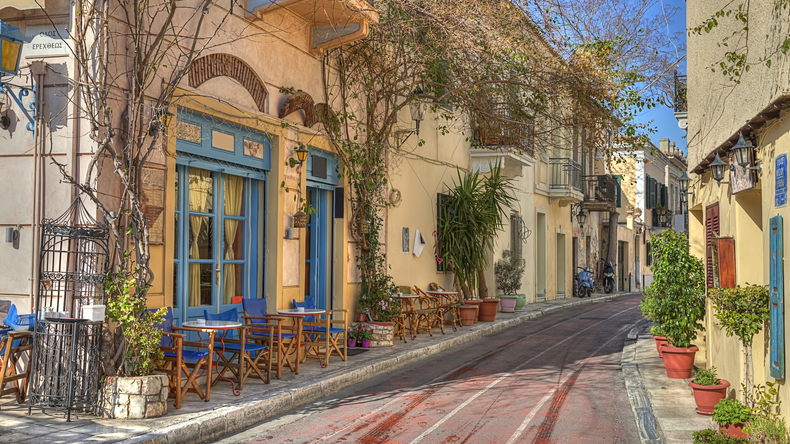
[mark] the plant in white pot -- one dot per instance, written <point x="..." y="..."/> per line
<point x="509" y="271"/>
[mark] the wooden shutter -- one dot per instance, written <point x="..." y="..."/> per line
<point x="619" y="190"/>
<point x="726" y="261"/>
<point x="648" y="201"/>
<point x="664" y="200"/>
<point x="777" y="300"/>
<point x="711" y="233"/>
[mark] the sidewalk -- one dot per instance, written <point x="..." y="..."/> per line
<point x="664" y="408"/>
<point x="199" y="421"/>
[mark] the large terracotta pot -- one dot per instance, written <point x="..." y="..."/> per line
<point x="707" y="396"/>
<point x="508" y="303"/>
<point x="488" y="310"/>
<point x="734" y="430"/>
<point x="521" y="302"/>
<point x="679" y="361"/>
<point x="660" y="340"/>
<point x="476" y="303"/>
<point x="468" y="314"/>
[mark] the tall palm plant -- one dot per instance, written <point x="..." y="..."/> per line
<point x="474" y="212"/>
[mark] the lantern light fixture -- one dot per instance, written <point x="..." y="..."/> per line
<point x="162" y="119"/>
<point x="581" y="217"/>
<point x="418" y="107"/>
<point x="717" y="168"/>
<point x="743" y="154"/>
<point x="11" y="40"/>
<point x="301" y="153"/>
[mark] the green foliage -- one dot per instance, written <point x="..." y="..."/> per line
<point x="731" y="411"/>
<point x="648" y="305"/>
<point x="361" y="332"/>
<point x="508" y="272"/>
<point x="706" y="377"/>
<point x="742" y="311"/>
<point x="656" y="331"/>
<point x="768" y="431"/>
<point x="678" y="288"/>
<point x="710" y="436"/>
<point x="765" y="401"/>
<point x="140" y="328"/>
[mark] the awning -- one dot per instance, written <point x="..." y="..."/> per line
<point x="24" y="4"/>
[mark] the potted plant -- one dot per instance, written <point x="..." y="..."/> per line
<point x="648" y="306"/>
<point x="660" y="338"/>
<point x="364" y="334"/>
<point x="468" y="314"/>
<point x="678" y="296"/>
<point x="732" y="416"/>
<point x="710" y="436"/>
<point x="708" y="390"/>
<point x="508" y="272"/>
<point x="352" y="337"/>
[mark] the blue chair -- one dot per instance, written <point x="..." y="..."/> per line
<point x="13" y="344"/>
<point x="250" y="351"/>
<point x="259" y="323"/>
<point x="19" y="322"/>
<point x="323" y="332"/>
<point x="180" y="362"/>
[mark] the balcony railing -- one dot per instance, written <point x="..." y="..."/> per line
<point x="600" y="189"/>
<point x="662" y="220"/>
<point x="565" y="173"/>
<point x="681" y="100"/>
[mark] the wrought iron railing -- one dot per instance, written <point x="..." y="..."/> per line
<point x="600" y="189"/>
<point x="565" y="173"/>
<point x="681" y="88"/>
<point x="662" y="220"/>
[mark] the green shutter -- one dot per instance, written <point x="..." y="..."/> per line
<point x="618" y="192"/>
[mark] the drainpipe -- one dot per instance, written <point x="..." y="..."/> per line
<point x="38" y="71"/>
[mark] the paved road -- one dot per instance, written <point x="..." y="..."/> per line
<point x="556" y="379"/>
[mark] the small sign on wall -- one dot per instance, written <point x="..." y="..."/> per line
<point x="48" y="41"/>
<point x="405" y="240"/>
<point x="780" y="190"/>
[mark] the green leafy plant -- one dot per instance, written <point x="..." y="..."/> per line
<point x="710" y="436"/>
<point x="731" y="411"/>
<point x="361" y="332"/>
<point x="706" y="377"/>
<point x="509" y="271"/>
<point x="656" y="330"/>
<point x="678" y="288"/>
<point x="764" y="401"/>
<point x="768" y="431"/>
<point x="139" y="327"/>
<point x="742" y="312"/>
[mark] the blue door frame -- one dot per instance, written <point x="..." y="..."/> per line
<point x="319" y="247"/>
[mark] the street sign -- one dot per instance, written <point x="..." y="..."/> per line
<point x="780" y="191"/>
<point x="48" y="41"/>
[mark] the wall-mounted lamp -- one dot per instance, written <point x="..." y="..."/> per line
<point x="301" y="154"/>
<point x="578" y="211"/>
<point x="11" y="234"/>
<point x="300" y="218"/>
<point x="161" y="119"/>
<point x="743" y="154"/>
<point x="417" y="107"/>
<point x="5" y="122"/>
<point x="11" y="40"/>
<point x="717" y="167"/>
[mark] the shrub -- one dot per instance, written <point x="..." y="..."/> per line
<point x="731" y="411"/>
<point x="706" y="377"/>
<point x="710" y="436"/>
<point x="362" y="332"/>
<point x="768" y="431"/>
<point x="656" y="330"/>
<point x="508" y="272"/>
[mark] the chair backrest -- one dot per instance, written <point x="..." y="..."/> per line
<point x="307" y="305"/>
<point x="255" y="308"/>
<point x="166" y="326"/>
<point x="19" y="322"/>
<point x="405" y="289"/>
<point x="230" y="315"/>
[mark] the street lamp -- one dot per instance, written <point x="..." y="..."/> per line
<point x="10" y="48"/>
<point x="417" y="107"/>
<point x="301" y="153"/>
<point x="581" y="217"/>
<point x="684" y="187"/>
<point x="743" y="153"/>
<point x="717" y="167"/>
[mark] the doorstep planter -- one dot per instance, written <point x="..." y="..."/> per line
<point x="476" y="303"/>
<point x="352" y="343"/>
<point x="133" y="397"/>
<point x="365" y="343"/>
<point x="521" y="302"/>
<point x="361" y="317"/>
<point x="679" y="361"/>
<point x="468" y="314"/>
<point x="383" y="333"/>
<point x="508" y="303"/>
<point x="734" y="430"/>
<point x="707" y="396"/>
<point x="488" y="310"/>
<point x="660" y="340"/>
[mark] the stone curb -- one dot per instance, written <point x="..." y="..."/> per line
<point x="649" y="431"/>
<point x="232" y="418"/>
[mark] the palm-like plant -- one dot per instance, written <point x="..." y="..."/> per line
<point x="474" y="212"/>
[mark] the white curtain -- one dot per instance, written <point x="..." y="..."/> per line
<point x="234" y="192"/>
<point x="200" y="196"/>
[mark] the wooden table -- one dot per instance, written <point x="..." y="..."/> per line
<point x="298" y="318"/>
<point x="222" y="326"/>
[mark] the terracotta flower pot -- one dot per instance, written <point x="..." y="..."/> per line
<point x="707" y="396"/>
<point x="734" y="430"/>
<point x="660" y="340"/>
<point x="521" y="302"/>
<point x="508" y="303"/>
<point x="468" y="314"/>
<point x="488" y="310"/>
<point x="365" y="343"/>
<point x="476" y="303"/>
<point x="352" y="343"/>
<point x="361" y="317"/>
<point x="679" y="361"/>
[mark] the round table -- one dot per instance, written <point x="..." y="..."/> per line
<point x="298" y="316"/>
<point x="222" y="326"/>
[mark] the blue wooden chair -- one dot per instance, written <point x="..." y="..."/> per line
<point x="14" y="343"/>
<point x="285" y="338"/>
<point x="180" y="363"/>
<point x="250" y="351"/>
<point x="323" y="332"/>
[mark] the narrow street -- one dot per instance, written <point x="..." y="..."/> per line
<point x="555" y="379"/>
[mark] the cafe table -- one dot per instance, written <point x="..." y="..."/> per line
<point x="298" y="316"/>
<point x="224" y="327"/>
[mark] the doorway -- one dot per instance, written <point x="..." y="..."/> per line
<point x="317" y="247"/>
<point x="622" y="268"/>
<point x="540" y="280"/>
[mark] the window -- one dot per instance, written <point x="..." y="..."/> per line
<point x="711" y="233"/>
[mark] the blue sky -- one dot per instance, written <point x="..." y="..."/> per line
<point x="662" y="117"/>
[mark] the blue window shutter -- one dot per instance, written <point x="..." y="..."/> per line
<point x="777" y="300"/>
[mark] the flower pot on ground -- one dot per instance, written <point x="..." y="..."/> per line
<point x="708" y="390"/>
<point x="732" y="416"/>
<point x="661" y="341"/>
<point x="468" y="314"/>
<point x="734" y="430"/>
<point x="488" y="310"/>
<point x="352" y="343"/>
<point x="521" y="302"/>
<point x="365" y="343"/>
<point x="476" y="303"/>
<point x="361" y="317"/>
<point x="679" y="361"/>
<point x="508" y="303"/>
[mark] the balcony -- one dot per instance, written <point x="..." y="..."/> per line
<point x="565" y="181"/>
<point x="662" y="219"/>
<point x="600" y="193"/>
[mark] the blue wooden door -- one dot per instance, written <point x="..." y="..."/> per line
<point x="317" y="247"/>
<point x="777" y="300"/>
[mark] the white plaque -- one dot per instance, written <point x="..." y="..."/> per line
<point x="47" y="41"/>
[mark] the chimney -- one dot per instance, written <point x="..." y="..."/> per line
<point x="664" y="145"/>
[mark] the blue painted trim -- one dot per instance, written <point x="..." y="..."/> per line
<point x="332" y="164"/>
<point x="314" y="184"/>
<point x="210" y="166"/>
<point x="319" y="244"/>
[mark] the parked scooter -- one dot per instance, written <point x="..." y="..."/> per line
<point x="608" y="277"/>
<point x="584" y="282"/>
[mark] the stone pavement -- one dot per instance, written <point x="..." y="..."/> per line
<point x="664" y="408"/>
<point x="199" y="421"/>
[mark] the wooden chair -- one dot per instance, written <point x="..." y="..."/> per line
<point x="180" y="363"/>
<point x="322" y="333"/>
<point x="285" y="338"/>
<point x="449" y="305"/>
<point x="256" y="355"/>
<point x="429" y="313"/>
<point x="406" y="313"/>
<point x="13" y="344"/>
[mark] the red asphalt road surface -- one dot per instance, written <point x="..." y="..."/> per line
<point x="555" y="379"/>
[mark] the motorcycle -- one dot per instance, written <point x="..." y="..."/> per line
<point x="608" y="277"/>
<point x="584" y="282"/>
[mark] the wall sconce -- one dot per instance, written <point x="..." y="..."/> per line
<point x="717" y="168"/>
<point x="11" y="234"/>
<point x="11" y="41"/>
<point x="300" y="218"/>
<point x="417" y="107"/>
<point x="743" y="153"/>
<point x="162" y="119"/>
<point x="581" y="216"/>
<point x="301" y="154"/>
<point x="684" y="186"/>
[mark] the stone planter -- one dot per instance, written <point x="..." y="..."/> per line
<point x="383" y="333"/>
<point x="133" y="397"/>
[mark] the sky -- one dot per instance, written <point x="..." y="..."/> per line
<point x="663" y="118"/>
